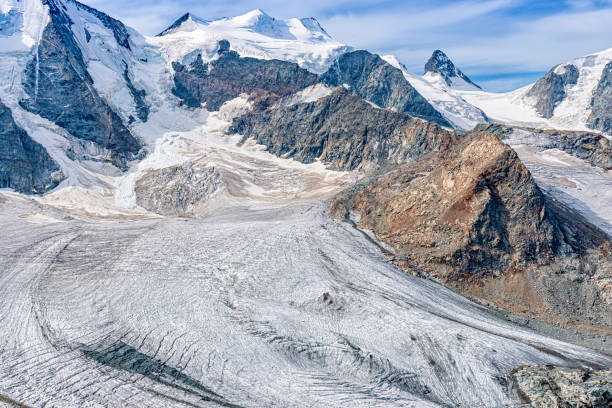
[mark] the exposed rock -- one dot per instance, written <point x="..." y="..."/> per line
<point x="560" y="387"/>
<point x="142" y="109"/>
<point x="440" y="63"/>
<point x="549" y="91"/>
<point x="473" y="217"/>
<point x="343" y="131"/>
<point x="593" y="148"/>
<point x="177" y="190"/>
<point x="375" y="80"/>
<point x="59" y="88"/>
<point x="230" y="76"/>
<point x="601" y="104"/>
<point x="25" y="165"/>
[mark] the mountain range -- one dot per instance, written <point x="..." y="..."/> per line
<point x="315" y="201"/>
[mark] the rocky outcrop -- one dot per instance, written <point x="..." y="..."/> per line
<point x="25" y="165"/>
<point x="178" y="190"/>
<point x="440" y="63"/>
<point x="560" y="387"/>
<point x="59" y="88"/>
<point x="601" y="104"/>
<point x="229" y="76"/>
<point x="472" y="217"/>
<point x="142" y="109"/>
<point x="343" y="131"/>
<point x="376" y="81"/>
<point x="550" y="90"/>
<point x="593" y="148"/>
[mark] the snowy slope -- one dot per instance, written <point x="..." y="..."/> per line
<point x="254" y="34"/>
<point x="518" y="108"/>
<point x="433" y="87"/>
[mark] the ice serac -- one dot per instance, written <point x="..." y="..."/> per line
<point x="550" y="90"/>
<point x="474" y="217"/>
<point x="59" y="87"/>
<point x="377" y="81"/>
<point x="439" y="63"/>
<point x="343" y="131"/>
<point x="230" y="75"/>
<point x="25" y="165"/>
<point x="601" y="104"/>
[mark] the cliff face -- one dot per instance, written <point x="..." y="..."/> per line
<point x="550" y="89"/>
<point x="373" y="79"/>
<point x="25" y="165"/>
<point x="231" y="75"/>
<point x="474" y="218"/>
<point x="601" y="104"/>
<point x="343" y="131"/>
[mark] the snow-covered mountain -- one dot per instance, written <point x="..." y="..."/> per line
<point x="567" y="97"/>
<point x="254" y="34"/>
<point x="439" y="65"/>
<point x="443" y="96"/>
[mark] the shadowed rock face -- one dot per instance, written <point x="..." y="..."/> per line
<point x="601" y="113"/>
<point x="441" y="64"/>
<point x="473" y="217"/>
<point x="548" y="386"/>
<point x="375" y="80"/>
<point x="59" y="88"/>
<point x="550" y="89"/>
<point x="230" y="76"/>
<point x="343" y="131"/>
<point x="25" y="165"/>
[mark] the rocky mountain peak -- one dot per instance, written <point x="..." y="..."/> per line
<point x="176" y="24"/>
<point x="439" y="63"/>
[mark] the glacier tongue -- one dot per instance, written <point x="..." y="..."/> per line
<point x="260" y="304"/>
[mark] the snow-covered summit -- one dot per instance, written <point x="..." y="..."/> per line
<point x="253" y="34"/>
<point x="433" y="87"/>
<point x="440" y="65"/>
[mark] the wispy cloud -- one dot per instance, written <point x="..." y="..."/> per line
<point x="504" y="43"/>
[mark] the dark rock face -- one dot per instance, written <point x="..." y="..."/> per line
<point x="550" y="89"/>
<point x="373" y="79"/>
<point x="60" y="89"/>
<point x="229" y="76"/>
<point x="25" y="165"/>
<point x="593" y="148"/>
<point x="142" y="109"/>
<point x="601" y="104"/>
<point x="441" y="64"/>
<point x="343" y="131"/>
<point x="549" y="386"/>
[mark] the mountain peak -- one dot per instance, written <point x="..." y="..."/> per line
<point x="439" y="63"/>
<point x="176" y="24"/>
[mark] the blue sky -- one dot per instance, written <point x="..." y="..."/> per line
<point x="500" y="44"/>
